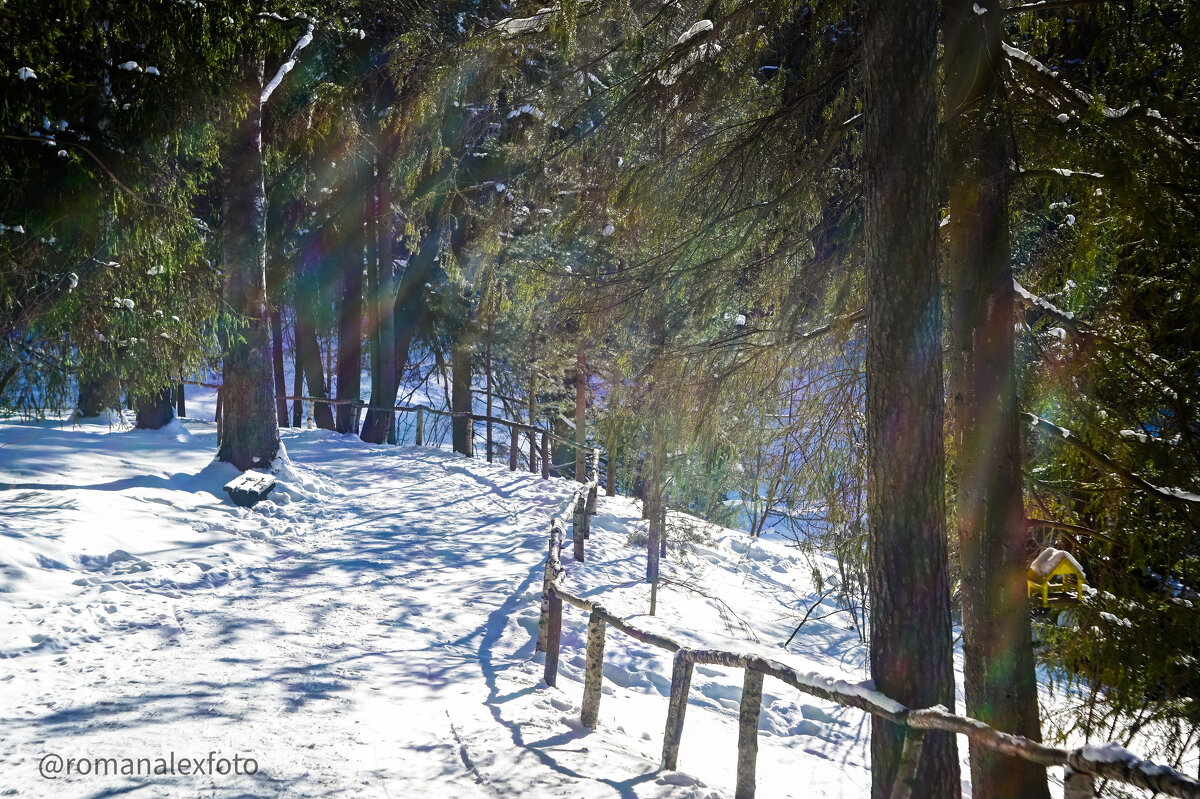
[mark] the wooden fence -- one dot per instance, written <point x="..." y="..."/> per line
<point x="533" y="431"/>
<point x="1081" y="766"/>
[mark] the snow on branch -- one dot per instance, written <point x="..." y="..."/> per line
<point x="1082" y="100"/>
<point x="289" y="65"/>
<point x="1128" y="477"/>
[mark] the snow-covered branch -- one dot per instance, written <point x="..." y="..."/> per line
<point x="1130" y="478"/>
<point x="290" y="64"/>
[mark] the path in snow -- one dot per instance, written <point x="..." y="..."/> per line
<point x="371" y="633"/>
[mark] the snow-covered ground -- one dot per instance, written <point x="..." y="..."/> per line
<point x="369" y="629"/>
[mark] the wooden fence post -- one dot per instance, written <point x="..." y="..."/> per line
<point x="748" y="733"/>
<point x="512" y="449"/>
<point x="420" y="425"/>
<point x="579" y="528"/>
<point x="593" y="674"/>
<point x="681" y="683"/>
<point x="545" y="456"/>
<point x="358" y="409"/>
<point x="553" y="638"/>
<point x="910" y="759"/>
<point x="1077" y="785"/>
<point x="591" y="499"/>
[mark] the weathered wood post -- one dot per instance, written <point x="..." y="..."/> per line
<point x="545" y="456"/>
<point x="512" y="449"/>
<point x="553" y="638"/>
<point x="579" y="527"/>
<point x="748" y="733"/>
<point x="547" y="595"/>
<point x="593" y="674"/>
<point x="681" y="683"/>
<point x="358" y="409"/>
<point x="910" y="759"/>
<point x="1077" y="785"/>
<point x="420" y="425"/>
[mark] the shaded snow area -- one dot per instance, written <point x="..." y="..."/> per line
<point x="369" y="630"/>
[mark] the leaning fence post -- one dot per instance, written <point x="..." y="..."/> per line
<point x="910" y="759"/>
<point x="1077" y="785"/>
<point x="420" y="425"/>
<point x="748" y="733"/>
<point x="593" y="673"/>
<point x="681" y="682"/>
<point x="545" y="456"/>
<point x="553" y="638"/>
<point x="579" y="527"/>
<point x="512" y="449"/>
<point x="358" y="409"/>
<point x="591" y="511"/>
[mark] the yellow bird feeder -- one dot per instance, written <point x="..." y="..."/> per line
<point x="1052" y="574"/>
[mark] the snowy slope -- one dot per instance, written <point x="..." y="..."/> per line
<point x="370" y="629"/>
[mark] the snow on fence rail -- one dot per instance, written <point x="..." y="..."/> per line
<point x="1080" y="765"/>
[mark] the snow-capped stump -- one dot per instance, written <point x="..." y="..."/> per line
<point x="249" y="488"/>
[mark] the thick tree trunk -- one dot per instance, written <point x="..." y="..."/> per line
<point x="308" y="352"/>
<point x="580" y="413"/>
<point x="533" y="397"/>
<point x="911" y="640"/>
<point x="350" y="319"/>
<point x="154" y="411"/>
<point x="98" y="393"/>
<point x="385" y="383"/>
<point x="1001" y="684"/>
<point x="297" y="385"/>
<point x="250" y="429"/>
<point x="488" y="370"/>
<point x="277" y="362"/>
<point x="461" y="362"/>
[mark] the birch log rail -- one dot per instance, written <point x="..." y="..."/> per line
<point x="1080" y="765"/>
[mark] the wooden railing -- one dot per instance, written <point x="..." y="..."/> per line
<point x="419" y="426"/>
<point x="1080" y="765"/>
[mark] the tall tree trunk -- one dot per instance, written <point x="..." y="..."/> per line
<point x="461" y="357"/>
<point x="350" y="316"/>
<point x="308" y="347"/>
<point x="297" y="384"/>
<point x="580" y="413"/>
<point x="98" y="392"/>
<point x="911" y="638"/>
<point x="180" y="399"/>
<point x="385" y="383"/>
<point x="250" y="429"/>
<point x="488" y="369"/>
<point x="532" y="397"/>
<point x="155" y="410"/>
<point x="1001" y="684"/>
<point x="277" y="362"/>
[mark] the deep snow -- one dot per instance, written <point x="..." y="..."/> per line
<point x="370" y="629"/>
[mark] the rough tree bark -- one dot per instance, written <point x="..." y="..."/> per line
<point x="580" y="413"/>
<point x="250" y="429"/>
<point x="308" y="348"/>
<point x="155" y="410"/>
<point x="1001" y="685"/>
<point x="462" y="357"/>
<point x="378" y="424"/>
<point x="277" y="364"/>
<point x="908" y="573"/>
<point x="350" y="314"/>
